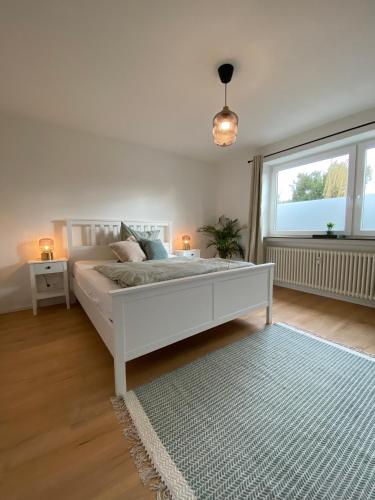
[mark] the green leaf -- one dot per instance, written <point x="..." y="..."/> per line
<point x="226" y="237"/>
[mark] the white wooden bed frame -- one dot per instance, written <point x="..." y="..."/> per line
<point x="148" y="317"/>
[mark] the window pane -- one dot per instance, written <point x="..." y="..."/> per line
<point x="368" y="207"/>
<point x="310" y="195"/>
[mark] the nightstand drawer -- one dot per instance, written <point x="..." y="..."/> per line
<point x="49" y="267"/>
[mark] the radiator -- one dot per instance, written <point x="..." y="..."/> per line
<point x="349" y="274"/>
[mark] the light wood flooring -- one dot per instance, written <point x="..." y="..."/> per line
<point x="59" y="437"/>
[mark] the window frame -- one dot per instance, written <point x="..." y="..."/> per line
<point x="350" y="149"/>
<point x="359" y="186"/>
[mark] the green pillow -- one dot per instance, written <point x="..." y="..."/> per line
<point x="127" y="231"/>
<point x="154" y="249"/>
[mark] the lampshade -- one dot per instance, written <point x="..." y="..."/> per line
<point x="225" y="127"/>
<point x="46" y="246"/>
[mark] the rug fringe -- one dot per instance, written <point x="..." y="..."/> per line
<point x="147" y="472"/>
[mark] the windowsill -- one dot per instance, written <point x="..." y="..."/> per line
<point x="307" y="237"/>
<point x="352" y="243"/>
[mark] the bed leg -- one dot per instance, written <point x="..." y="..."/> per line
<point x="119" y="348"/>
<point x="270" y="298"/>
<point x="269" y="315"/>
<point x="120" y="376"/>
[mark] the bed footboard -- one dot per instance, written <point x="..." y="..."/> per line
<point x="149" y="317"/>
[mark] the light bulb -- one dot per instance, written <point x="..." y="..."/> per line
<point x="225" y="125"/>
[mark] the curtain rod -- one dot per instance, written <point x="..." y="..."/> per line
<point x="316" y="140"/>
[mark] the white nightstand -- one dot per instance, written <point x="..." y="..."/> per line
<point x="48" y="267"/>
<point x="195" y="252"/>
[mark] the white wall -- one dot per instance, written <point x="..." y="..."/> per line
<point x="326" y="129"/>
<point x="233" y="191"/>
<point x="48" y="173"/>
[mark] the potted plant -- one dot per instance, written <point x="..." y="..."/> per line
<point x="330" y="226"/>
<point x="225" y="236"/>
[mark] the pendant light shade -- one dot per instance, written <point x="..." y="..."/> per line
<point x="225" y="123"/>
<point x="225" y="127"/>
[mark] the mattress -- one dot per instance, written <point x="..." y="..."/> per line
<point x="95" y="285"/>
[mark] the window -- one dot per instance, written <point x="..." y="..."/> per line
<point x="366" y="189"/>
<point x="308" y="193"/>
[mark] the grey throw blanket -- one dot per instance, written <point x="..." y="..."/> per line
<point x="127" y="274"/>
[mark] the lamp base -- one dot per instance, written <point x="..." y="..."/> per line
<point x="186" y="246"/>
<point x="46" y="256"/>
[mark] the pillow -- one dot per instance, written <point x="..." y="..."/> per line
<point x="126" y="232"/>
<point x="154" y="249"/>
<point x="147" y="235"/>
<point x="128" y="250"/>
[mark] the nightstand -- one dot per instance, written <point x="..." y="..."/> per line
<point x="45" y="267"/>
<point x="195" y="252"/>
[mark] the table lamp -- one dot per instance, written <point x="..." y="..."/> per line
<point x="186" y="241"/>
<point x="46" y="248"/>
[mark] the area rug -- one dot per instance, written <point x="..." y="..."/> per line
<point x="278" y="415"/>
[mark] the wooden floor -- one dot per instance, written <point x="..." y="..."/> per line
<point x="59" y="437"/>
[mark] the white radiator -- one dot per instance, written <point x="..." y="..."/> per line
<point x="349" y="274"/>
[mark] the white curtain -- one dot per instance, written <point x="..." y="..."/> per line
<point x="255" y="243"/>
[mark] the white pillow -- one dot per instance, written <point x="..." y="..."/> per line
<point x="128" y="250"/>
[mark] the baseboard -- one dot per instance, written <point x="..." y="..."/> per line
<point x="16" y="309"/>
<point x="329" y="295"/>
<point x="44" y="303"/>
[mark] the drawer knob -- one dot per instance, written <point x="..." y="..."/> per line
<point x="48" y="267"/>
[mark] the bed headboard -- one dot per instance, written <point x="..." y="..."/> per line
<point x="89" y="239"/>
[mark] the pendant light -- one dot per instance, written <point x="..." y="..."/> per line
<point x="225" y="123"/>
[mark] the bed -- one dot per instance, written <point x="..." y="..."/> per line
<point x="138" y="320"/>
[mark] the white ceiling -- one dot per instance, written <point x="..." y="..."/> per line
<point x="145" y="70"/>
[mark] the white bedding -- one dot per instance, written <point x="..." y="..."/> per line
<point x="94" y="284"/>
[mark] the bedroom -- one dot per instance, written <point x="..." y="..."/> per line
<point x="106" y="119"/>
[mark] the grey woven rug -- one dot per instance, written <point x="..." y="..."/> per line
<point x="277" y="415"/>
